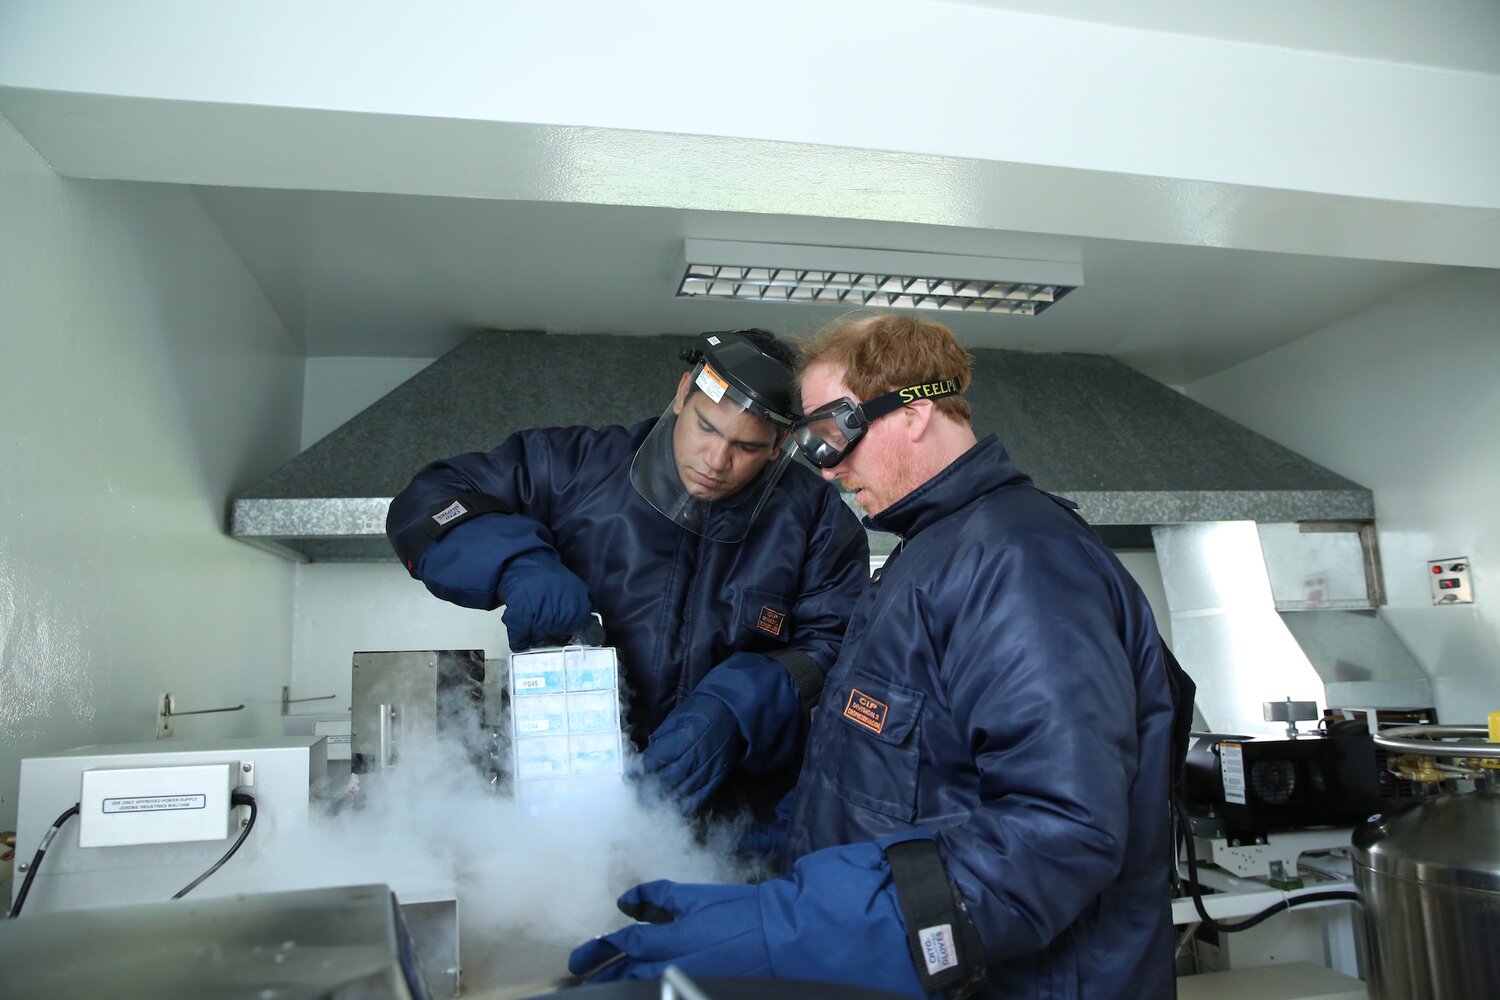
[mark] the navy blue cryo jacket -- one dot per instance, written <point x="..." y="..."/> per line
<point x="674" y="604"/>
<point x="1002" y="685"/>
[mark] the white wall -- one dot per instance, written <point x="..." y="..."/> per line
<point x="144" y="380"/>
<point x="336" y="389"/>
<point x="345" y="608"/>
<point x="1405" y="399"/>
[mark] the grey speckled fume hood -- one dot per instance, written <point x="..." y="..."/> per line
<point x="1130" y="451"/>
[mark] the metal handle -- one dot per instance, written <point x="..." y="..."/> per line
<point x="591" y="634"/>
<point x="1403" y="738"/>
<point x="388" y="723"/>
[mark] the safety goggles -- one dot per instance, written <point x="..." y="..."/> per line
<point x="829" y="433"/>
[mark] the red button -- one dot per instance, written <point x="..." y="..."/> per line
<point x="1437" y="569"/>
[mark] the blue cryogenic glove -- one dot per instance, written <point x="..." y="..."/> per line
<point x="508" y="559"/>
<point x="745" y="712"/>
<point x="544" y="600"/>
<point x="767" y="842"/>
<point x="464" y="565"/>
<point x="835" y="919"/>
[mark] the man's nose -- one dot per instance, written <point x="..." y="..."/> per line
<point x="717" y="455"/>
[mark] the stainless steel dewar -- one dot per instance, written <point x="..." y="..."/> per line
<point x="1429" y="886"/>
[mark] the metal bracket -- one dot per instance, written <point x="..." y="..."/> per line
<point x="1291" y="712"/>
<point x="166" y="710"/>
<point x="1257" y="860"/>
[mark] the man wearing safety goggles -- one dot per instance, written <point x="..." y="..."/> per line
<point x="724" y="573"/>
<point x="983" y="801"/>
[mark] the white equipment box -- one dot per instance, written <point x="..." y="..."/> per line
<point x="144" y="850"/>
<point x="337" y="733"/>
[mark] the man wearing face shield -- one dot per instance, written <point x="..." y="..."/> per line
<point x="724" y="572"/>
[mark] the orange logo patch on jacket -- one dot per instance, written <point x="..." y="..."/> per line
<point x="771" y="621"/>
<point x="862" y="710"/>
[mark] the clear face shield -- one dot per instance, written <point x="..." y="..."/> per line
<point x="713" y="459"/>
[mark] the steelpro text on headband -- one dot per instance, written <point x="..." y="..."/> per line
<point x="830" y="432"/>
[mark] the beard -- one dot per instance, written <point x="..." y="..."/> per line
<point x="901" y="475"/>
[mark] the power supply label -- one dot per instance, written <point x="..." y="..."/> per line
<point x="155" y="803"/>
<point x="1232" y="768"/>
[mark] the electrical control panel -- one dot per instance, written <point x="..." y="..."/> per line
<point x="1450" y="581"/>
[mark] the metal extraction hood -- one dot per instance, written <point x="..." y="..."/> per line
<point x="1266" y="612"/>
<point x="1132" y="452"/>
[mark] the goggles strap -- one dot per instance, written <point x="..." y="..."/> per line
<point x="890" y="402"/>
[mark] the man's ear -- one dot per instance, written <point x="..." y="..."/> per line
<point x="917" y="418"/>
<point x="682" y="392"/>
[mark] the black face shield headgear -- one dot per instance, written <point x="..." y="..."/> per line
<point x="764" y="384"/>
<point x="738" y="373"/>
<point x="829" y="433"/>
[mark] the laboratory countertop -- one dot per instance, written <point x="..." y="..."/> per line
<point x="1291" y="981"/>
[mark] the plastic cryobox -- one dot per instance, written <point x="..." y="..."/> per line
<point x="565" y="711"/>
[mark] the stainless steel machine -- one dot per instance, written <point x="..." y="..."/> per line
<point x="408" y="700"/>
<point x="342" y="943"/>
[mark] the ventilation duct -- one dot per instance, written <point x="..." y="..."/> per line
<point x="1263" y="613"/>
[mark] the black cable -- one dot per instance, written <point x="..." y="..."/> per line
<point x="36" y="862"/>
<point x="1229" y="928"/>
<point x="239" y="799"/>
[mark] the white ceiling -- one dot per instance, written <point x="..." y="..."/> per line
<point x="1232" y="178"/>
<point x="1452" y="34"/>
<point x="380" y="275"/>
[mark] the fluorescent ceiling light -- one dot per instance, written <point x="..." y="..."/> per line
<point x="887" y="279"/>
